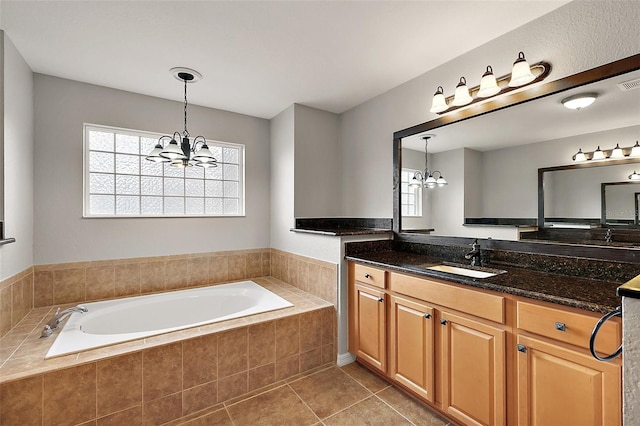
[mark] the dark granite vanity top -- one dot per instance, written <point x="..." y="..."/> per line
<point x="583" y="293"/>
<point x="342" y="232"/>
<point x="342" y="226"/>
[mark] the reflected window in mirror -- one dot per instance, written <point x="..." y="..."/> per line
<point x="411" y="202"/>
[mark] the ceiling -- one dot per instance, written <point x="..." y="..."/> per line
<point x="256" y="57"/>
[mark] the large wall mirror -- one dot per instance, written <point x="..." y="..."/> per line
<point x="490" y="154"/>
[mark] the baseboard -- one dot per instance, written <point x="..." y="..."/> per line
<point x="345" y="358"/>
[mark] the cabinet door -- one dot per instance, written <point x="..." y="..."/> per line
<point x="473" y="371"/>
<point x="560" y="386"/>
<point x="411" y="346"/>
<point x="371" y="319"/>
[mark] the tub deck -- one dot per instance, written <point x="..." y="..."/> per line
<point x="22" y="351"/>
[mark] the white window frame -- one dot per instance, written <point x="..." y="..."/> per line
<point x="87" y="127"/>
<point x="406" y="175"/>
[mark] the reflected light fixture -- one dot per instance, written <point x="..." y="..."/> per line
<point x="427" y="178"/>
<point x="461" y="96"/>
<point x="617" y="153"/>
<point x="635" y="150"/>
<point x="521" y="72"/>
<point x="598" y="154"/>
<point x="521" y="75"/>
<point x="579" y="101"/>
<point x="179" y="153"/>
<point x="580" y="156"/>
<point x="488" y="84"/>
<point x="634" y="176"/>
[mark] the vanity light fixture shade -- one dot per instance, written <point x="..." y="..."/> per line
<point x="635" y="150"/>
<point x="617" y="152"/>
<point x="439" y="103"/>
<point x="579" y="101"/>
<point x="488" y="84"/>
<point x="580" y="156"/>
<point x="521" y="73"/>
<point x="461" y="96"/>
<point x="634" y="176"/>
<point x="598" y="154"/>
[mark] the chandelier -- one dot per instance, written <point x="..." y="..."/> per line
<point x="179" y="154"/>
<point x="426" y="179"/>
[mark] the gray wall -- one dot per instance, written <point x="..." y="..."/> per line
<point x="17" y="117"/>
<point x="578" y="36"/>
<point x="62" y="235"/>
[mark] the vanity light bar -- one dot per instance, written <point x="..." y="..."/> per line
<point x="607" y="154"/>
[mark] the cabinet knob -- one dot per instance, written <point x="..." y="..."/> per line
<point x="560" y="326"/>
<point x="380" y="299"/>
<point x="443" y="321"/>
<point x="522" y="348"/>
<point x="367" y="276"/>
<point x="427" y="316"/>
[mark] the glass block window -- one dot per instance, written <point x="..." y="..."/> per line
<point x="120" y="182"/>
<point x="411" y="198"/>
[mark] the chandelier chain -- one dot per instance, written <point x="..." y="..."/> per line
<point x="186" y="132"/>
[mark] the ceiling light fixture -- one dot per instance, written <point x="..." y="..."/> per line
<point x="616" y="153"/>
<point x="426" y="179"/>
<point x="580" y="101"/>
<point x="179" y="154"/>
<point x="521" y="75"/>
<point x="634" y="176"/>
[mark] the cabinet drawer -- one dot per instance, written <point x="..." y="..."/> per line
<point x="470" y="301"/>
<point x="369" y="275"/>
<point x="569" y="327"/>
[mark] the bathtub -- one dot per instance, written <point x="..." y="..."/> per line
<point x="114" y="321"/>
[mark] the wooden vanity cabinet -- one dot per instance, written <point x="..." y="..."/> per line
<point x="371" y="331"/>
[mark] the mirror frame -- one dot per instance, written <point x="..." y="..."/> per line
<point x="622" y="66"/>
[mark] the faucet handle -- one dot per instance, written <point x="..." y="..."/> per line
<point x="474" y="243"/>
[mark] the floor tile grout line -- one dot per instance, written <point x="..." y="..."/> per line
<point x="304" y="403"/>
<point x="227" y="405"/>
<point x="346" y="408"/>
<point x="394" y="409"/>
<point x="312" y="374"/>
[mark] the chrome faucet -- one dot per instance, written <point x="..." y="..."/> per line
<point x="58" y="317"/>
<point x="608" y="237"/>
<point x="474" y="254"/>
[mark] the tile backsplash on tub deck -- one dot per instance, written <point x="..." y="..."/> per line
<point x="16" y="299"/>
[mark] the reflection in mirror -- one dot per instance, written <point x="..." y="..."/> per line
<point x="620" y="204"/>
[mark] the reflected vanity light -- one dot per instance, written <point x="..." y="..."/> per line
<point x="579" y="101"/>
<point x="521" y="75"/>
<point x="617" y="153"/>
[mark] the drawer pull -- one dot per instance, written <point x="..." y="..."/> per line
<point x="367" y="276"/>
<point x="522" y="348"/>
<point x="560" y="326"/>
<point x="427" y="316"/>
<point x="443" y="321"/>
<point x="380" y="299"/>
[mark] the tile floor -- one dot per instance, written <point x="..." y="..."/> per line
<point x="350" y="395"/>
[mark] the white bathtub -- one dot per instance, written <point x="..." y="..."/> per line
<point x="115" y="321"/>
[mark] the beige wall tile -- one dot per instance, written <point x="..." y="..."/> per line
<point x="42" y="288"/>
<point x="127" y="279"/>
<point x="152" y="277"/>
<point x="198" y="271"/>
<point x="303" y="275"/>
<point x="328" y="354"/>
<point x="311" y="330"/>
<point x="177" y="274"/>
<point x="329" y="285"/>
<point x="287" y="336"/>
<point x="232" y="352"/>
<point x="292" y="271"/>
<point x="329" y="319"/>
<point x="262" y="376"/>
<point x="199" y="397"/>
<point x="237" y="266"/>
<point x="200" y="360"/>
<point x="232" y="386"/>
<point x="262" y="344"/>
<point x="162" y="410"/>
<point x="253" y="265"/>
<point x="77" y="384"/>
<point x="100" y="282"/>
<point x="218" y="269"/>
<point x="119" y="383"/>
<point x="21" y="402"/>
<point x="310" y="360"/>
<point x="5" y="310"/>
<point x="69" y="286"/>
<point x="161" y="371"/>
<point x="266" y="263"/>
<point x="131" y="416"/>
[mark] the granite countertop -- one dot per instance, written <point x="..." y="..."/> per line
<point x="342" y="231"/>
<point x="578" y="292"/>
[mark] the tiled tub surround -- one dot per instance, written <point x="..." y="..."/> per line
<point x="163" y="378"/>
<point x="582" y="283"/>
<point x="78" y="282"/>
<point x="16" y="300"/>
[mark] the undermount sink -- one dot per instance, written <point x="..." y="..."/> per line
<point x="467" y="272"/>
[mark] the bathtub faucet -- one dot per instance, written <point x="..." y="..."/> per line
<point x="58" y="317"/>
